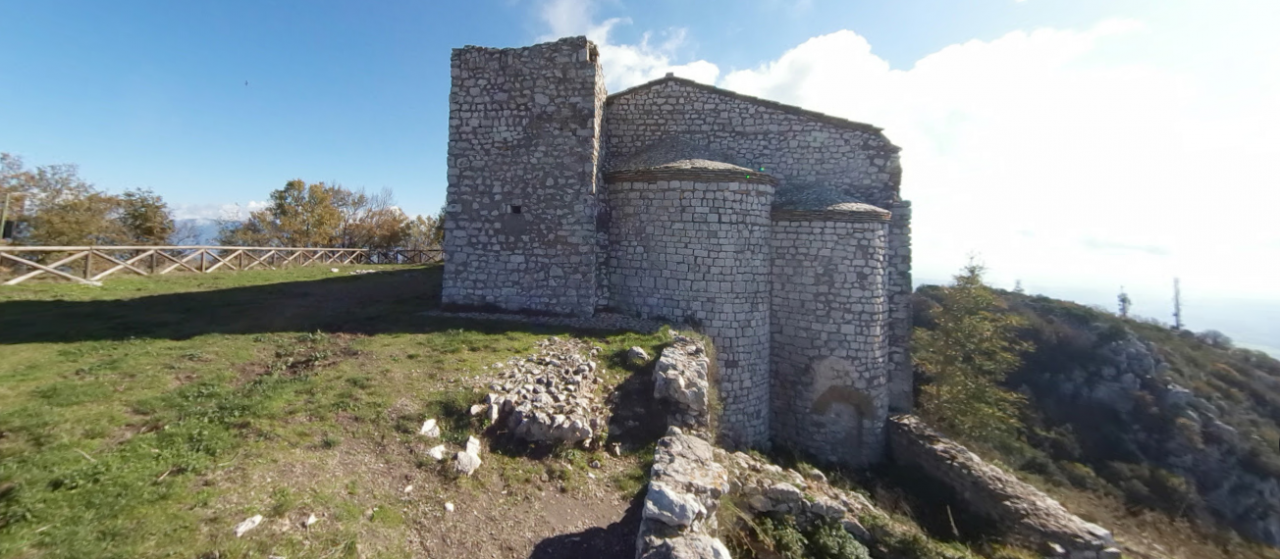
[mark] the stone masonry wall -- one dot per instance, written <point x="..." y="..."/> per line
<point x="524" y="144"/>
<point x="830" y="390"/>
<point x="698" y="253"/>
<point x="898" y="290"/>
<point x="796" y="148"/>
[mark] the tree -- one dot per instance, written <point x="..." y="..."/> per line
<point x="1125" y="303"/>
<point x="300" y="215"/>
<point x="965" y="357"/>
<point x="145" y="217"/>
<point x="422" y="233"/>
<point x="92" y="219"/>
<point x="306" y="215"/>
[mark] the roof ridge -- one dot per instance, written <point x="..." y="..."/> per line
<point x="792" y="109"/>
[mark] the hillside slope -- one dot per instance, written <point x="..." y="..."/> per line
<point x="1174" y="424"/>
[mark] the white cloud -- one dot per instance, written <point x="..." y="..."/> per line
<point x="624" y="65"/>
<point x="1060" y="167"/>
<point x="217" y="211"/>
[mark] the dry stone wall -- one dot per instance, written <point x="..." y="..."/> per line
<point x="830" y="390"/>
<point x="524" y="145"/>
<point x="698" y="253"/>
<point x="1030" y="517"/>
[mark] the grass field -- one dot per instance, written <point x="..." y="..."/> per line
<point x="148" y="416"/>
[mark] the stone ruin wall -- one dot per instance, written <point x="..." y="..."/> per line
<point x="898" y="287"/>
<point x="524" y="130"/>
<point x="800" y="149"/>
<point x="830" y="393"/>
<point x="531" y="127"/>
<point x="698" y="253"/>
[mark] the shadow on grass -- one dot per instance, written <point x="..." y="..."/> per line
<point x="615" y="540"/>
<point x="386" y="302"/>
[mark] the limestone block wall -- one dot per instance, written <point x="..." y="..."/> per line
<point x="698" y="252"/>
<point x="521" y="208"/>
<point x="898" y="291"/>
<point x="829" y="349"/>
<point x="790" y="144"/>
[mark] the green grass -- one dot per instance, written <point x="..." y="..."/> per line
<point x="148" y="416"/>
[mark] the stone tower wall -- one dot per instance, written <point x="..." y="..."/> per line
<point x="898" y="290"/>
<point x="524" y="136"/>
<point x="829" y="348"/>
<point x="698" y="252"/>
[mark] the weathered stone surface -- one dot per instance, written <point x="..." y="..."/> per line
<point x="524" y="145"/>
<point x="430" y="429"/>
<point x="549" y="397"/>
<point x="437" y="452"/>
<point x="671" y="507"/>
<point x="685" y="230"/>
<point x="680" y="377"/>
<point x="692" y="546"/>
<point x="1030" y="517"/>
<point x="466" y="463"/>
<point x="637" y="354"/>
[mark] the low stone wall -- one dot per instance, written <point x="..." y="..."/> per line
<point x="681" y="379"/>
<point x="685" y="486"/>
<point x="685" y="482"/>
<point x="1032" y="518"/>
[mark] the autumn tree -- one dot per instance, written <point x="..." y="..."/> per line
<point x="92" y="219"/>
<point x="423" y="233"/>
<point x="145" y="217"/>
<point x="965" y="357"/>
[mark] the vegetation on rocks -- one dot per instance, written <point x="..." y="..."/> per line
<point x="1167" y="437"/>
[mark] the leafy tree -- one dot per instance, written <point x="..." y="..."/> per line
<point x="145" y="217"/>
<point x="306" y="215"/>
<point x="92" y="219"/>
<point x="423" y="233"/>
<point x="259" y="230"/>
<point x="971" y="350"/>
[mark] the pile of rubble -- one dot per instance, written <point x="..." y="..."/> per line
<point x="550" y="396"/>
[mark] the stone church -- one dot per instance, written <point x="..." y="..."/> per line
<point x="776" y="231"/>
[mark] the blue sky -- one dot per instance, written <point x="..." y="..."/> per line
<point x="1076" y="145"/>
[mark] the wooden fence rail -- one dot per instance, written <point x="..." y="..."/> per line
<point x="89" y="264"/>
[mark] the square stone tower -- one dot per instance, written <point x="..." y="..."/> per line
<point x="524" y="151"/>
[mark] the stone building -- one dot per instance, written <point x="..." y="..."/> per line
<point x="777" y="231"/>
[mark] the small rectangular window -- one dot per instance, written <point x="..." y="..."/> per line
<point x="516" y="209"/>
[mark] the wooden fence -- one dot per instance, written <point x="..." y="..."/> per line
<point x="90" y="264"/>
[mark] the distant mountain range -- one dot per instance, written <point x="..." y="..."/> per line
<point x="196" y="231"/>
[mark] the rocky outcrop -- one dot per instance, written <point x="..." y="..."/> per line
<point x="1127" y="385"/>
<point x="549" y="397"/>
<point x="1030" y="517"/>
<point x="680" y="378"/>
